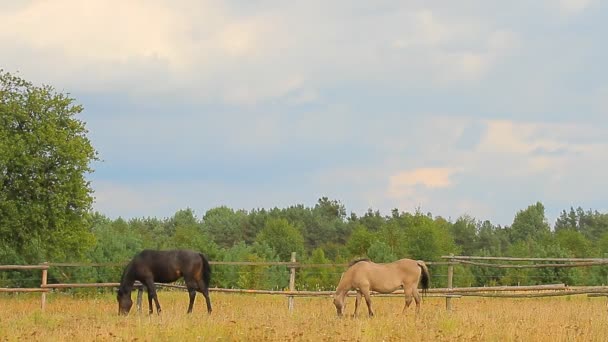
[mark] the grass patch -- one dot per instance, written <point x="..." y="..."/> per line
<point x="260" y="317"/>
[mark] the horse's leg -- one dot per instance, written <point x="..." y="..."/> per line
<point x="192" y="285"/>
<point x="368" y="300"/>
<point x="357" y="302"/>
<point x="192" y="293"/>
<point x="204" y="289"/>
<point x="408" y="297"/>
<point x="417" y="299"/>
<point x="152" y="295"/>
<point x="150" y="310"/>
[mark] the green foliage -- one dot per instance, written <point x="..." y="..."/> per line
<point x="428" y="239"/>
<point x="379" y="251"/>
<point x="283" y="237"/>
<point x="591" y="224"/>
<point x="225" y="225"/>
<point x="530" y="223"/>
<point x="317" y="278"/>
<point x="464" y="231"/>
<point x="360" y="240"/>
<point x="44" y="158"/>
<point x="574" y="242"/>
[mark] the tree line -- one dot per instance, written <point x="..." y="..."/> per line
<point x="46" y="215"/>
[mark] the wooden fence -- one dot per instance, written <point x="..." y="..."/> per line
<point x="448" y="292"/>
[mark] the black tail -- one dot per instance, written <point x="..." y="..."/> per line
<point x="206" y="270"/>
<point x="425" y="279"/>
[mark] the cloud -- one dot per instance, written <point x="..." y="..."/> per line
<point x="474" y="106"/>
<point x="403" y="184"/>
<point x="574" y="6"/>
<point x="216" y="52"/>
<point x="429" y="177"/>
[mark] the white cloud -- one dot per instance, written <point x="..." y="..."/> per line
<point x="429" y="177"/>
<point x="210" y="51"/>
<point x="372" y="99"/>
<point x="574" y="6"/>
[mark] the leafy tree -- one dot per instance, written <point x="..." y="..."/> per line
<point x="152" y="232"/>
<point x="318" y="278"/>
<point x="392" y="235"/>
<point x="530" y="223"/>
<point x="372" y="220"/>
<point x="224" y="225"/>
<point x="328" y="223"/>
<point x="491" y="240"/>
<point x="591" y="224"/>
<point x="379" y="251"/>
<point x="428" y="239"/>
<point x="227" y="276"/>
<point x="574" y="242"/>
<point x="283" y="237"/>
<point x="115" y="242"/>
<point x="359" y="241"/>
<point x="464" y="231"/>
<point x="45" y="156"/>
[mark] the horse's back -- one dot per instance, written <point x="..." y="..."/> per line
<point x="166" y="266"/>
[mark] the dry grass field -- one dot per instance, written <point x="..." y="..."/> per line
<point x="262" y="317"/>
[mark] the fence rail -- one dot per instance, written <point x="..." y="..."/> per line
<point x="465" y="257"/>
<point x="449" y="292"/>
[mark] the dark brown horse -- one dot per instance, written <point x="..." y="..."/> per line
<point x="151" y="266"/>
<point x="364" y="276"/>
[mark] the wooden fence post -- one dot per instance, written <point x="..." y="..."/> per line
<point x="448" y="300"/>
<point x="43" y="283"/>
<point x="292" y="281"/>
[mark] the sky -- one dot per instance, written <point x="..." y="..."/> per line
<point x="470" y="107"/>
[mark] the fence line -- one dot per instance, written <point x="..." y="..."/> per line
<point x="573" y="264"/>
<point x="24" y="267"/>
<point x="448" y="292"/>
<point x="226" y="263"/>
<point x="463" y="257"/>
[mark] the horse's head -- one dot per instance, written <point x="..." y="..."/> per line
<point x="339" y="303"/>
<point x="124" y="302"/>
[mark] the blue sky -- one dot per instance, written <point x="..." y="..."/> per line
<point x="469" y="107"/>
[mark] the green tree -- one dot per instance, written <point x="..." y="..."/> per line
<point x="464" y="231"/>
<point x="591" y="224"/>
<point x="428" y="239"/>
<point x="372" y="220"/>
<point x="225" y="226"/>
<point x="45" y="156"/>
<point x="491" y="240"/>
<point x="359" y="241"/>
<point x="317" y="278"/>
<point x="530" y="223"/>
<point x="379" y="251"/>
<point x="574" y="242"/>
<point x="283" y="237"/>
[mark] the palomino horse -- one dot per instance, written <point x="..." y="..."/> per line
<point x="364" y="276"/>
<point x="165" y="267"/>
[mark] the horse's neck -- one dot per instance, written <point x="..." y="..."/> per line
<point x="343" y="286"/>
<point x="127" y="286"/>
<point x="127" y="281"/>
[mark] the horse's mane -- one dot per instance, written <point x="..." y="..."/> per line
<point x="357" y="260"/>
<point x="125" y="284"/>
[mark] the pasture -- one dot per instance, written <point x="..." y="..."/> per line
<point x="264" y="317"/>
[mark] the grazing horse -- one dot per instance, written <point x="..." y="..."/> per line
<point x="151" y="266"/>
<point x="364" y="276"/>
